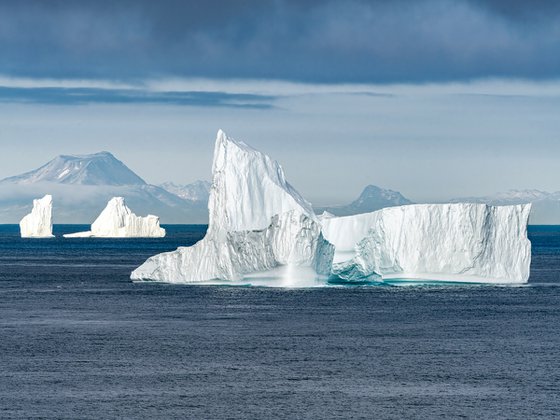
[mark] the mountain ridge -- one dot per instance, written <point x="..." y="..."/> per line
<point x="81" y="185"/>
<point x="195" y="191"/>
<point x="101" y="168"/>
<point x="371" y="198"/>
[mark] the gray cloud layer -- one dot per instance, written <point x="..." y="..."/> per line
<point x="311" y="40"/>
<point x="82" y="96"/>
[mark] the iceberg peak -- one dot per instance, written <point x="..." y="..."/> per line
<point x="258" y="222"/>
<point x="248" y="188"/>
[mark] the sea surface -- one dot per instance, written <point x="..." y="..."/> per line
<point x="79" y="340"/>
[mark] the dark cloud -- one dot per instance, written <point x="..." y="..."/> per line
<point x="82" y="96"/>
<point x="310" y="40"/>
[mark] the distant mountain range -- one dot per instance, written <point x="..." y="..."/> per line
<point x="197" y="191"/>
<point x="372" y="198"/>
<point x="97" y="169"/>
<point x="546" y="206"/>
<point x="82" y="185"/>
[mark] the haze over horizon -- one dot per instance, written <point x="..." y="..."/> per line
<point x="435" y="99"/>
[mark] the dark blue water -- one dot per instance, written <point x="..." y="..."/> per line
<point x="79" y="340"/>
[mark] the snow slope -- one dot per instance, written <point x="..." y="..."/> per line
<point x="96" y="169"/>
<point x="196" y="191"/>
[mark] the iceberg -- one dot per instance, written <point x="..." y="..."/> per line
<point x="257" y="223"/>
<point x="38" y="223"/>
<point x="291" y="239"/>
<point x="433" y="242"/>
<point x="248" y="189"/>
<point x="118" y="221"/>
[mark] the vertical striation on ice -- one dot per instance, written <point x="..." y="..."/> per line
<point x="38" y="223"/>
<point x="248" y="188"/>
<point x="118" y="221"/>
<point x="257" y="222"/>
<point x="442" y="242"/>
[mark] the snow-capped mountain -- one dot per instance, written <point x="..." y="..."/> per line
<point x="372" y="198"/>
<point x="81" y="185"/>
<point x="96" y="169"/>
<point x="508" y="197"/>
<point x="196" y="191"/>
<point x="546" y="206"/>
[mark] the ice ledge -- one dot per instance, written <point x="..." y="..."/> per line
<point x="440" y="242"/>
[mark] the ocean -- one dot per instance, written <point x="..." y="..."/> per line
<point x="79" y="340"/>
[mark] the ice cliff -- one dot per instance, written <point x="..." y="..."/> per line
<point x="38" y="223"/>
<point x="257" y="222"/>
<point x="118" y="221"/>
<point x="441" y="242"/>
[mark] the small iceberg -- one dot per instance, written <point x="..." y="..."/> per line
<point x="118" y="221"/>
<point x="38" y="223"/>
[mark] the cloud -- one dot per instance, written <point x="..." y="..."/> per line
<point x="82" y="96"/>
<point x="310" y="41"/>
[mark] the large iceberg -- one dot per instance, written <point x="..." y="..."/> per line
<point x="439" y="242"/>
<point x="260" y="228"/>
<point x="257" y="223"/>
<point x="38" y="223"/>
<point x="118" y="221"/>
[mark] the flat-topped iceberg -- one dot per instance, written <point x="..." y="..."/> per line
<point x="257" y="223"/>
<point x="38" y="223"/>
<point x="260" y="226"/>
<point x="437" y="242"/>
<point x="118" y="221"/>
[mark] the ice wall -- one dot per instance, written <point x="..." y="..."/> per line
<point x="442" y="242"/>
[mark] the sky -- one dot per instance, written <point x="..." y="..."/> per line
<point x="436" y="99"/>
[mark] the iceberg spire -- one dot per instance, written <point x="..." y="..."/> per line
<point x="258" y="222"/>
<point x="248" y="188"/>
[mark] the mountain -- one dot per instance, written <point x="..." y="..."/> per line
<point x="508" y="197"/>
<point x="196" y="191"/>
<point x="97" y="169"/>
<point x="372" y="198"/>
<point x="546" y="206"/>
<point x="81" y="186"/>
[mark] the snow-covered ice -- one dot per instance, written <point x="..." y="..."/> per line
<point x="38" y="223"/>
<point x="261" y="227"/>
<point x="291" y="239"/>
<point x="248" y="188"/>
<point x="118" y="221"/>
<point x="257" y="223"/>
<point x="441" y="242"/>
